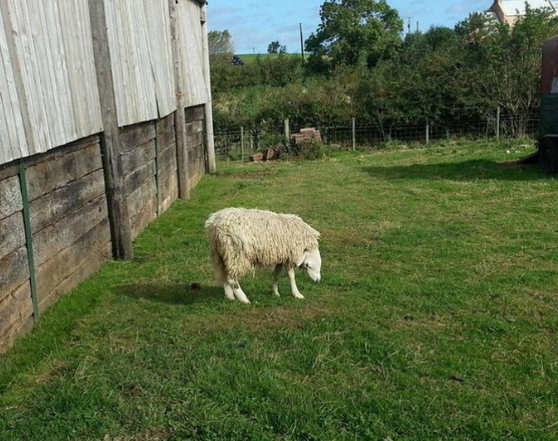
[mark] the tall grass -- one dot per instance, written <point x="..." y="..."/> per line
<point x="436" y="317"/>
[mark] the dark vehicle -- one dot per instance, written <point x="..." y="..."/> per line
<point x="237" y="61"/>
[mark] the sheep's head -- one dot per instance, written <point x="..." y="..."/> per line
<point x="312" y="263"/>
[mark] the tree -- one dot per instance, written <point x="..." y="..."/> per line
<point x="220" y="43"/>
<point x="502" y="64"/>
<point x="276" y="48"/>
<point x="355" y="32"/>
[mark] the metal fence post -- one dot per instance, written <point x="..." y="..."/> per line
<point x="427" y="131"/>
<point x="29" y="240"/>
<point x="498" y="123"/>
<point x="354" y="134"/>
<point x="242" y="142"/>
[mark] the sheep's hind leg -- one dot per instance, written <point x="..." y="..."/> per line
<point x="294" y="288"/>
<point x="276" y="274"/>
<point x="237" y="291"/>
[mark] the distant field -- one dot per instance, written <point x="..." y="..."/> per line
<point x="250" y="58"/>
<point x="436" y="317"/>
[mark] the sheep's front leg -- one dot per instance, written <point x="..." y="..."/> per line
<point x="294" y="288"/>
<point x="276" y="274"/>
<point x="229" y="294"/>
<point x="237" y="291"/>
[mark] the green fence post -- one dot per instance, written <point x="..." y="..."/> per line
<point x="29" y="240"/>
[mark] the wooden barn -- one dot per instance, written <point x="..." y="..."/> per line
<point x="105" y="120"/>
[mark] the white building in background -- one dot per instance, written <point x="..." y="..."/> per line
<point x="509" y="11"/>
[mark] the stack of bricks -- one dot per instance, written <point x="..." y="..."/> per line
<point x="309" y="134"/>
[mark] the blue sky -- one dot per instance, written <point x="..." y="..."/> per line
<point x="254" y="24"/>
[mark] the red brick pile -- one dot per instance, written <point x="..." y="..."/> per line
<point x="309" y="134"/>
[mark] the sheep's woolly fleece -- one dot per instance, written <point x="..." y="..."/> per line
<point x="245" y="238"/>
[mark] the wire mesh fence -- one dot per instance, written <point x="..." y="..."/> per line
<point x="239" y="144"/>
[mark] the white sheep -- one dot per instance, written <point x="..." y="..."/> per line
<point x="242" y="239"/>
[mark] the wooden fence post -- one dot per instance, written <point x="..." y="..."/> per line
<point x="121" y="231"/>
<point x="182" y="158"/>
<point x="208" y="107"/>
<point x="287" y="131"/>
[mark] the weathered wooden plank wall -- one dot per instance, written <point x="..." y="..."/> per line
<point x="150" y="170"/>
<point x="12" y="133"/>
<point x="191" y="53"/>
<point x="195" y="144"/>
<point x="56" y="68"/>
<point x="46" y="48"/>
<point x="69" y="219"/>
<point x="15" y="294"/>
<point x="57" y="232"/>
<point x="141" y="53"/>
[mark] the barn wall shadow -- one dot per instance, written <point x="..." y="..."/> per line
<point x="471" y="170"/>
<point x="173" y="294"/>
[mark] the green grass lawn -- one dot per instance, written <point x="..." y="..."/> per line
<point x="436" y="317"/>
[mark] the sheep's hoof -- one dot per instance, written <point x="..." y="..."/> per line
<point x="298" y="296"/>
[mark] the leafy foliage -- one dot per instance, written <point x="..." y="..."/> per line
<point x="360" y="67"/>
<point x="276" y="48"/>
<point x="355" y="32"/>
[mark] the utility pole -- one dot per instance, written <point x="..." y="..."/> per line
<point x="409" y="25"/>
<point x="301" y="42"/>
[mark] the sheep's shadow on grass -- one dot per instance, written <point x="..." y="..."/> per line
<point x="472" y="170"/>
<point x="173" y="294"/>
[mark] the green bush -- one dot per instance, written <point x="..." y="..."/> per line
<point x="307" y="150"/>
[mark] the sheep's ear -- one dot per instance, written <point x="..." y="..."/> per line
<point x="301" y="259"/>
